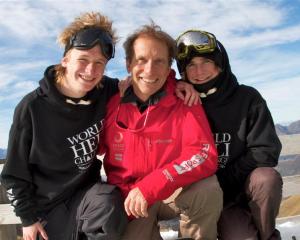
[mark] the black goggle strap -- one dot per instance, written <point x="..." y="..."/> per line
<point x="67" y="48"/>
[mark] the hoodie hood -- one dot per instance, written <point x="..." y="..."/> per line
<point x="50" y="92"/>
<point x="226" y="82"/>
<point x="48" y="89"/>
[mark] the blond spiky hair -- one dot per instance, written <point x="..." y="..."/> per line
<point x="89" y="19"/>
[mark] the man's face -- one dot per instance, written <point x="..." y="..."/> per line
<point x="201" y="70"/>
<point x="84" y="70"/>
<point x="149" y="66"/>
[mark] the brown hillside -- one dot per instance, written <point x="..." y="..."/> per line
<point x="290" y="206"/>
<point x="290" y="144"/>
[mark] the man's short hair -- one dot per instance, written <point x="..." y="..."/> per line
<point x="154" y="31"/>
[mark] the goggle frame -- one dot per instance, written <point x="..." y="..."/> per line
<point x="89" y="37"/>
<point x="204" y="45"/>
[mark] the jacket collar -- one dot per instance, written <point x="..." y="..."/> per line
<point x="131" y="97"/>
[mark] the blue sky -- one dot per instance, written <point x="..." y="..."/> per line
<point x="261" y="37"/>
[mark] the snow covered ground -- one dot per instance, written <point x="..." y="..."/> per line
<point x="169" y="235"/>
<point x="288" y="228"/>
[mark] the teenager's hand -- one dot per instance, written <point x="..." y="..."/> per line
<point x="135" y="204"/>
<point x="124" y="84"/>
<point x="187" y="93"/>
<point x="32" y="231"/>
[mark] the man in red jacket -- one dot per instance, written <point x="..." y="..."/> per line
<point x="160" y="152"/>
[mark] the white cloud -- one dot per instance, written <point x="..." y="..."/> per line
<point x="6" y="78"/>
<point x="268" y="65"/>
<point x="265" y="38"/>
<point x="255" y="33"/>
<point x="10" y="74"/>
<point x="39" y="20"/>
<point x="17" y="91"/>
<point x="276" y="74"/>
<point x="283" y="98"/>
<point x="10" y="52"/>
<point x="26" y="22"/>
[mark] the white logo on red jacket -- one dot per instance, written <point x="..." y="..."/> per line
<point x="118" y="146"/>
<point x="118" y="137"/>
<point x="195" y="161"/>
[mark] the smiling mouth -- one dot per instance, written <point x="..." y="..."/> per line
<point x="202" y="80"/>
<point x="86" y="78"/>
<point x="146" y="80"/>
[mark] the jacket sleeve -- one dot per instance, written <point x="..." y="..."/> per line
<point x="111" y="86"/>
<point x="262" y="150"/>
<point x="16" y="175"/>
<point x="197" y="159"/>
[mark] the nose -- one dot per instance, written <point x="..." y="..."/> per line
<point x="200" y="68"/>
<point x="90" y="68"/>
<point x="148" y="68"/>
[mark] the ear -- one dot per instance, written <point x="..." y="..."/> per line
<point x="64" y="61"/>
<point x="170" y="68"/>
<point x="128" y="66"/>
<point x="184" y="77"/>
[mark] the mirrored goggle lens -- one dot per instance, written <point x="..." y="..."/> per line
<point x="194" y="38"/>
<point x="202" y="42"/>
<point x="88" y="38"/>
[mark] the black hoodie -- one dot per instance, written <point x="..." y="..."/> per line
<point x="52" y="147"/>
<point x="243" y="129"/>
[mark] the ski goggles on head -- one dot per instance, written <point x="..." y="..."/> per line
<point x="89" y="37"/>
<point x="199" y="41"/>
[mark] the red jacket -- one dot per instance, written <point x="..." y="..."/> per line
<point x="168" y="146"/>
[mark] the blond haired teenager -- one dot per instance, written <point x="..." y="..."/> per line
<point x="52" y="175"/>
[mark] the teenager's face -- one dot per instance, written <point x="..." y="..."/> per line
<point x="201" y="70"/>
<point x="84" y="70"/>
<point x="149" y="66"/>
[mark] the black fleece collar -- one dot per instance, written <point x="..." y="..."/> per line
<point x="131" y="97"/>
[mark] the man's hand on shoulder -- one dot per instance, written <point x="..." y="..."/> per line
<point x="186" y="92"/>
<point x="135" y="204"/>
<point x="124" y="84"/>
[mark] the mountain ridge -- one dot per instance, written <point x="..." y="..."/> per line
<point x="292" y="128"/>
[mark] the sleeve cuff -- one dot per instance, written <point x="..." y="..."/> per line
<point x="27" y="221"/>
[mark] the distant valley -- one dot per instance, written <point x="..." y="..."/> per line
<point x="289" y="161"/>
